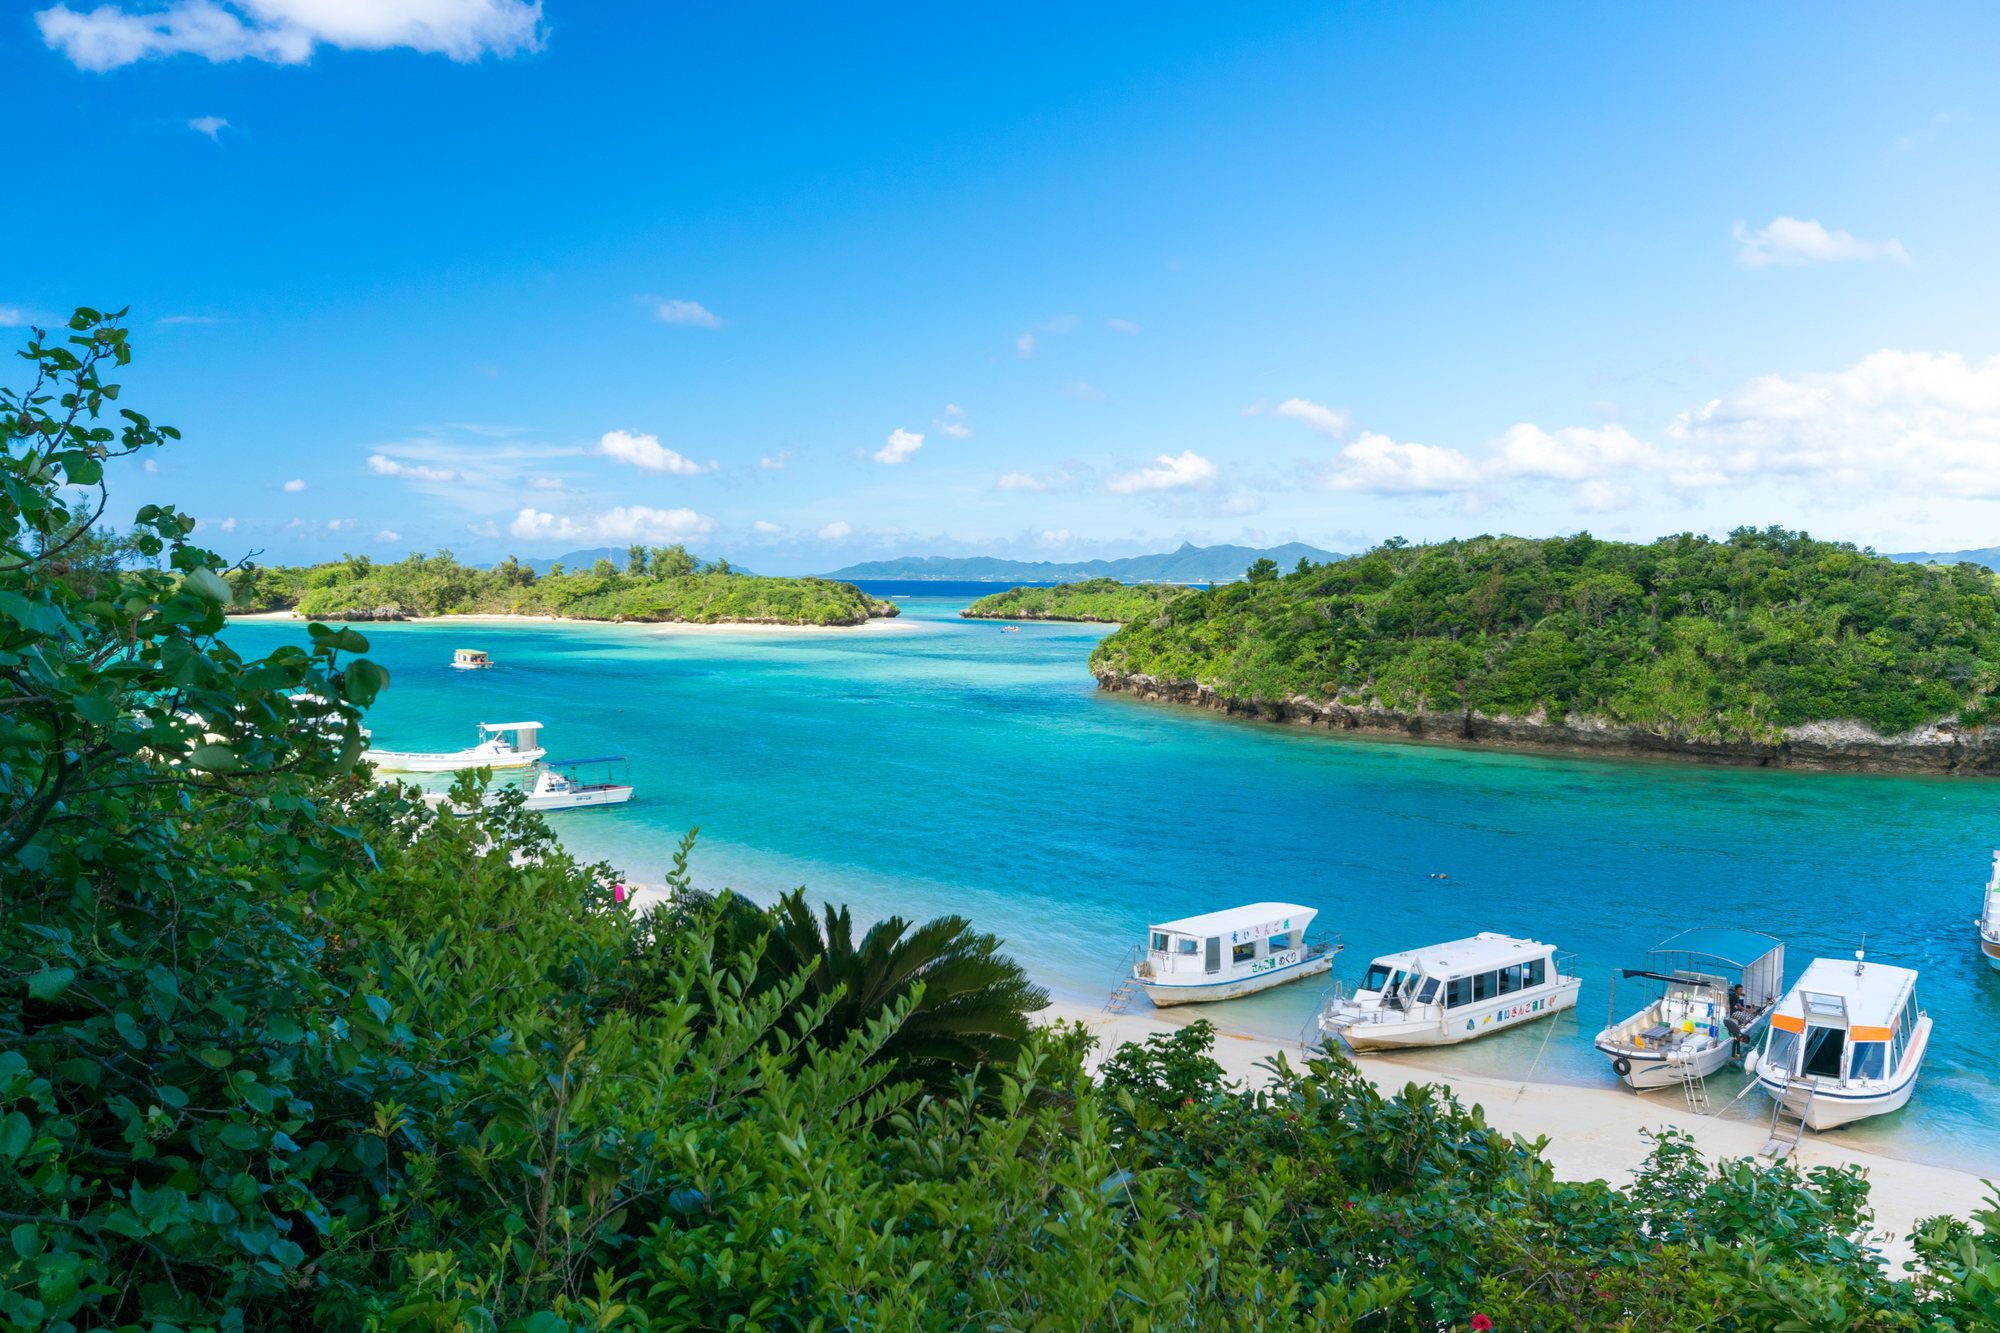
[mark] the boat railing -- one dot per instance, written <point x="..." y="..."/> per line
<point x="1325" y="943"/>
<point x="1566" y="966"/>
<point x="1330" y="1001"/>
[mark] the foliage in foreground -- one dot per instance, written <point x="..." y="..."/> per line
<point x="660" y="585"/>
<point x="1737" y="638"/>
<point x="280" y="1050"/>
<point x="1105" y="600"/>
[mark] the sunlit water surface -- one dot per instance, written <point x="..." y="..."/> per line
<point x="937" y="765"/>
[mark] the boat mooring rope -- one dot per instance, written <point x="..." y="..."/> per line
<point x="1550" y="1032"/>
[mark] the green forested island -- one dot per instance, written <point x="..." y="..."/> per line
<point x="1767" y="643"/>
<point x="1105" y="600"/>
<point x="657" y="584"/>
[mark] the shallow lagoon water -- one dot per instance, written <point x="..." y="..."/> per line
<point x="937" y="765"/>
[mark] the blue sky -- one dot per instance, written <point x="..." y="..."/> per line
<point x="806" y="287"/>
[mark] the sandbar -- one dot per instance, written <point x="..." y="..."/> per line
<point x="663" y="626"/>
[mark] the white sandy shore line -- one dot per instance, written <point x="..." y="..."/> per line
<point x="1595" y="1133"/>
<point x="659" y="626"/>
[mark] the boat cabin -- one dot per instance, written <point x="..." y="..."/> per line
<point x="1844" y="1023"/>
<point x="1469" y="971"/>
<point x="467" y="658"/>
<point x="493" y="733"/>
<point x="1242" y="941"/>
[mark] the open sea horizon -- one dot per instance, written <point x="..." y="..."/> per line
<point x="934" y="765"/>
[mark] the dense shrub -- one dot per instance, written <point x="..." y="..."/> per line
<point x="1095" y="599"/>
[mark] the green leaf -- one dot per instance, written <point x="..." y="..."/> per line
<point x="129" y="1030"/>
<point x="214" y="1058"/>
<point x="27" y="1239"/>
<point x="215" y="759"/>
<point x="209" y="586"/>
<point x="241" y="1137"/>
<point x="51" y="982"/>
<point x="15" y="1135"/>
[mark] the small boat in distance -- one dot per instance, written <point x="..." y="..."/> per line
<point x="559" y="791"/>
<point x="1010" y="629"/>
<point x="1846" y="1043"/>
<point x="1221" y="955"/>
<point x="494" y="750"/>
<point x="1706" y="989"/>
<point x="470" y="659"/>
<point x="1989" y="919"/>
<point x="1447" y="993"/>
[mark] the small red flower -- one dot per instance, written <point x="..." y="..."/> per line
<point x="1351" y="1203"/>
<point x="1481" y="1322"/>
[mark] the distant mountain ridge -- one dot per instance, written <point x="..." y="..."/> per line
<point x="1988" y="556"/>
<point x="1190" y="564"/>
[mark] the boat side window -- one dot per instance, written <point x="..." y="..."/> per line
<point x="1537" y="970"/>
<point x="1866" y="1059"/>
<point x="1377" y="978"/>
<point x="1782" y="1051"/>
<point x="1457" y="991"/>
<point x="1159" y="943"/>
<point x="1190" y="946"/>
<point x="1510" y="979"/>
<point x="1243" y="953"/>
<point x="1482" y="986"/>
<point x="1429" y="992"/>
<point x="1823" y="1051"/>
<point x="1277" y="943"/>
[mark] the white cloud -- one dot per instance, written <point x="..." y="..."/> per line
<point x="287" y="31"/>
<point x="1243" y="504"/>
<point x="1576" y="453"/>
<point x="1020" y="481"/>
<point x="152" y="465"/>
<point x="340" y="525"/>
<point x="1061" y="324"/>
<point x="1378" y="463"/>
<point x="834" y="532"/>
<point x="1332" y="421"/>
<point x="1920" y="422"/>
<point x="295" y="485"/>
<point x="1122" y="325"/>
<point x="1024" y="345"/>
<point x="11" y="317"/>
<point x="387" y="536"/>
<point x="1603" y="497"/>
<point x="208" y="125"/>
<point x="383" y="466"/>
<point x="190" y="319"/>
<point x="647" y="453"/>
<point x="687" y="312"/>
<point x="1167" y="474"/>
<point x="227" y="525"/>
<point x="776" y="462"/>
<point x="545" y="483"/>
<point x="952" y="423"/>
<point x="953" y="410"/>
<point x="1053" y="539"/>
<point x="901" y="447"/>
<point x="638" y="523"/>
<point x="761" y="526"/>
<point x="1790" y="241"/>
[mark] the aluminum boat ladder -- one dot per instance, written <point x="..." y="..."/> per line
<point x="1330" y="1000"/>
<point x="1694" y="1084"/>
<point x="1788" y="1126"/>
<point x="1126" y="988"/>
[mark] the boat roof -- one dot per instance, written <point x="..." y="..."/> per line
<point x="1726" y="944"/>
<point x="1872" y="997"/>
<point x="572" y="763"/>
<point x="1476" y="953"/>
<point x="1238" y="918"/>
<point x="507" y="726"/>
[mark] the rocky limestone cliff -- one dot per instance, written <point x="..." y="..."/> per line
<point x="1844" y="745"/>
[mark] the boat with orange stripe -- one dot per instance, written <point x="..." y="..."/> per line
<point x="1846" y="1043"/>
<point x="1989" y="919"/>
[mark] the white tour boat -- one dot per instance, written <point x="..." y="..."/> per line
<point x="1453" y="992"/>
<point x="559" y="791"/>
<point x="1989" y="919"/>
<point x="470" y="659"/>
<point x="1846" y="1043"/>
<point x="1220" y="955"/>
<point x="1707" y="989"/>
<point x="494" y="750"/>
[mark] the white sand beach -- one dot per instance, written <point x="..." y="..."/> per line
<point x="878" y="623"/>
<point x="1596" y="1133"/>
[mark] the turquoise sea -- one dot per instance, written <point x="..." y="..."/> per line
<point x="935" y="765"/>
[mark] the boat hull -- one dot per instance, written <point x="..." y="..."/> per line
<point x="1467" y="1023"/>
<point x="1650" y="1071"/>
<point x="579" y="800"/>
<point x="1989" y="949"/>
<point x="1166" y="996"/>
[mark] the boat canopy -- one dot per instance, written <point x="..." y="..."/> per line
<point x="1478" y="953"/>
<point x="1249" y="921"/>
<point x="578" y="763"/>
<point x="510" y="726"/>
<point x="1836" y="993"/>
<point x="1758" y="957"/>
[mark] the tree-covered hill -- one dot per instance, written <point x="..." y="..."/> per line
<point x="663" y="584"/>
<point x="1102" y="600"/>
<point x="1685" y="636"/>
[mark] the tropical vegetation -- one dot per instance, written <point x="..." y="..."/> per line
<point x="1096" y="599"/>
<point x="281" y="1049"/>
<point x="1737" y="638"/>
<point x="656" y="584"/>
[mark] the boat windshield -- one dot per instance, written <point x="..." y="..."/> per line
<point x="1868" y="1060"/>
<point x="1429" y="991"/>
<point x="1782" y="1051"/>
<point x="1823" y="1051"/>
<point x="1378" y="977"/>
